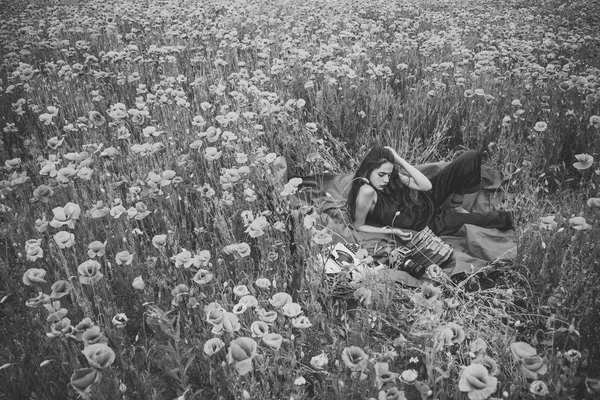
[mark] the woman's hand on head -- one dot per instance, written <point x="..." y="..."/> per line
<point x="394" y="153"/>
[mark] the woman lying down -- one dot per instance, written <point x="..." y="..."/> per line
<point x="380" y="199"/>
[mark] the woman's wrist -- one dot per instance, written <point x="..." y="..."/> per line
<point x="402" y="163"/>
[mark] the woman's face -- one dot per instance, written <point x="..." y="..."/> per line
<point x="381" y="176"/>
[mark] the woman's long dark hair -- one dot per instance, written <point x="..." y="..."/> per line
<point x="374" y="159"/>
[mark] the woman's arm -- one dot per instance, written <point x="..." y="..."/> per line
<point x="417" y="180"/>
<point x="365" y="201"/>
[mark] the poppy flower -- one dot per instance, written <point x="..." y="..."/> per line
<point x="124" y="258"/>
<point x="202" y="277"/>
<point x="301" y="322"/>
<point x="231" y="322"/>
<point x="212" y="153"/>
<point x="184" y="258"/>
<point x="238" y="250"/>
<point x="392" y="393"/>
<point x="85" y="173"/>
<point x="39" y="300"/>
<point x="259" y="329"/>
<point x="63" y="174"/>
<point x="593" y="202"/>
<point x="489" y="363"/>
<point x="319" y="361"/>
<point x="57" y="315"/>
<point x="548" y="222"/>
<point x="434" y="271"/>
<point x="241" y="290"/>
<point x="138" y="283"/>
<point x="79" y="329"/>
<point x="273" y="340"/>
<point x="409" y="376"/>
<point x="539" y="388"/>
<point x="202" y="258"/>
<point x="458" y="334"/>
<point x="66" y="215"/>
<point x="452" y="303"/>
<point x="159" y="241"/>
<point x="241" y="352"/>
<point x="34" y="275"/>
<point x="249" y="301"/>
<point x="64" y="239"/>
<point x="96" y="118"/>
<point x="99" y="355"/>
<point x="99" y="210"/>
<point x="239" y="308"/>
<point x="141" y="211"/>
<point x="291" y="310"/>
<point x="89" y="272"/>
<point x="120" y="320"/>
<point x="355" y="358"/>
<point x="93" y="335"/>
<point x="478" y="346"/>
<point x="41" y="225"/>
<point x="584" y="161"/>
<point x="96" y="248"/>
<point x="533" y="366"/>
<point x="212" y="346"/>
<point x="521" y="350"/>
<point x="83" y="379"/>
<point x="565" y="85"/>
<point x="33" y="249"/>
<point x="427" y="297"/>
<point x="42" y="193"/>
<point x="476" y="381"/>
<point x="383" y="374"/>
<point x="60" y="289"/>
<point x="268" y="316"/>
<point x="60" y="328"/>
<point x="579" y="223"/>
<point x="322" y="237"/>
<point x="214" y="316"/>
<point x="592" y="385"/>
<point x="363" y="295"/>
<point x="540" y="126"/>
<point x="55" y="142"/>
<point x="280" y="299"/>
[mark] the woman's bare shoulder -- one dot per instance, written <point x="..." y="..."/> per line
<point x="367" y="192"/>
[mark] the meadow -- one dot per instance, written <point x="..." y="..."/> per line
<point x="151" y="249"/>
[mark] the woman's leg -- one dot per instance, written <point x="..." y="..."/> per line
<point x="461" y="176"/>
<point x="448" y="222"/>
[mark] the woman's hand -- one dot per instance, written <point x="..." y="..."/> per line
<point x="395" y="154"/>
<point x="419" y="181"/>
<point x="401" y="234"/>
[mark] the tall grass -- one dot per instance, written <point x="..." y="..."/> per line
<point x="162" y="129"/>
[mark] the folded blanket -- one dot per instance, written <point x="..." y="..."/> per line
<point x="474" y="247"/>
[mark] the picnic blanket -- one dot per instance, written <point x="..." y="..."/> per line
<point x="474" y="246"/>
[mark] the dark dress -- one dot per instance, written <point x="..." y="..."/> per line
<point x="422" y="209"/>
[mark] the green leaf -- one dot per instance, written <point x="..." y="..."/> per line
<point x="189" y="362"/>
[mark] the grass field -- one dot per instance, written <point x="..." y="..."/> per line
<point x="149" y="248"/>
